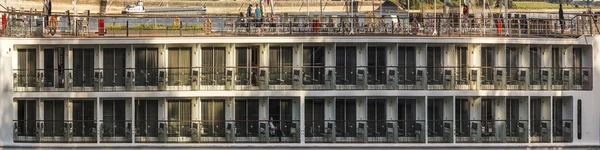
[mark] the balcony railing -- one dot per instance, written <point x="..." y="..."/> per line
<point x="288" y="131"/>
<point x="365" y="131"/>
<point x="51" y="131"/>
<point x="491" y="131"/>
<point x="295" y="78"/>
<point x="228" y="131"/>
<point x="30" y="24"/>
<point x="562" y="131"/>
<point x="540" y="131"/>
<point x="440" y="131"/>
<point x="115" y="131"/>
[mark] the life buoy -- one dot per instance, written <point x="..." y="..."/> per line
<point x="176" y="21"/>
<point x="52" y="24"/>
<point x="207" y="25"/>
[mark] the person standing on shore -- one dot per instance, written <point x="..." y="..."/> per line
<point x="249" y="10"/>
<point x="561" y="18"/>
<point x="258" y="13"/>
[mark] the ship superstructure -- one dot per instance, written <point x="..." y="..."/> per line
<point x="373" y="83"/>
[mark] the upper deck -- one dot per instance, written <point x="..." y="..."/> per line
<point x="542" y="25"/>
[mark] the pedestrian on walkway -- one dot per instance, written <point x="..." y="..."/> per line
<point x="561" y="18"/>
<point x="250" y="10"/>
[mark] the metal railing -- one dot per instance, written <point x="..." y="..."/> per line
<point x="27" y="24"/>
<point x="295" y="78"/>
<point x="562" y="131"/>
<point x="492" y="131"/>
<point x="540" y="131"/>
<point x="115" y="131"/>
<point x="365" y="131"/>
<point x="440" y="131"/>
<point x="52" y="131"/>
<point x="221" y="131"/>
<point x="288" y="131"/>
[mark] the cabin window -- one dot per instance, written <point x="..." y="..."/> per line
<point x="54" y="67"/>
<point x="557" y="117"/>
<point x="315" y="117"/>
<point x="345" y="114"/>
<point x="146" y="66"/>
<point x="213" y="114"/>
<point x="434" y="65"/>
<point x="577" y="64"/>
<point x="146" y="117"/>
<point x="179" y="65"/>
<point x="54" y="117"/>
<point x="179" y="112"/>
<point x="376" y="116"/>
<point x="488" y="109"/>
<point x="462" y="112"/>
<point x="213" y="66"/>
<point x="407" y="117"/>
<point x="435" y="116"/>
<point x="376" y="63"/>
<point x="246" y="116"/>
<point x="535" y="64"/>
<point x="280" y="113"/>
<point x="314" y="65"/>
<point x="487" y="65"/>
<point x="535" y="113"/>
<point x="83" y="118"/>
<point x="280" y="65"/>
<point x="462" y="63"/>
<point x="26" y="117"/>
<point x="113" y="117"/>
<point x="345" y="62"/>
<point x="247" y="63"/>
<point x="512" y="64"/>
<point x="114" y="67"/>
<point x="512" y="117"/>
<point x="83" y="67"/>
<point x="557" y="66"/>
<point x="27" y="67"/>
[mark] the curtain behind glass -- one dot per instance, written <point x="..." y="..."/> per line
<point x="146" y="117"/>
<point x="146" y="66"/>
<point x="512" y="63"/>
<point x="53" y="117"/>
<point x="535" y="64"/>
<point x="434" y="64"/>
<point x="345" y="65"/>
<point x="26" y="64"/>
<point x="83" y="68"/>
<point x="83" y="117"/>
<point x="114" y="67"/>
<point x="213" y="116"/>
<point x="376" y="65"/>
<point x="577" y="73"/>
<point x="487" y="64"/>
<point x="314" y="62"/>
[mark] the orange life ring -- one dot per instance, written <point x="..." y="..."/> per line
<point x="176" y="21"/>
<point x="207" y="21"/>
<point x="52" y="24"/>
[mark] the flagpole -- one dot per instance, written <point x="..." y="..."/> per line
<point x="321" y="6"/>
<point x="272" y="9"/>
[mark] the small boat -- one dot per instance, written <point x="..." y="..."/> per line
<point x="139" y="8"/>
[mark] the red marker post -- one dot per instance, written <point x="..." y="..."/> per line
<point x="101" y="27"/>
